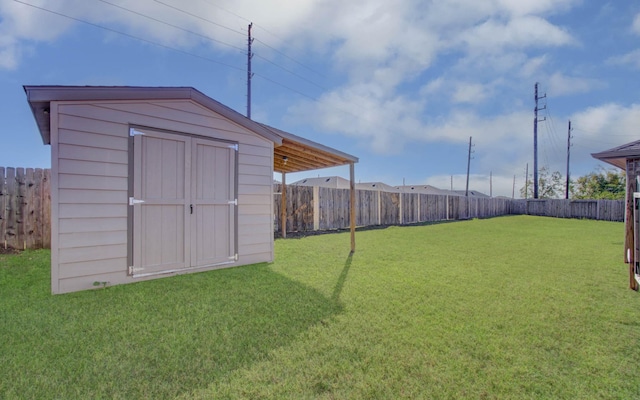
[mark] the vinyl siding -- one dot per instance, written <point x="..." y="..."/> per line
<point x="90" y="161"/>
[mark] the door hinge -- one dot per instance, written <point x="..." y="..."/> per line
<point x="133" y="270"/>
<point x="234" y="146"/>
<point x="133" y="201"/>
<point x="234" y="202"/>
<point x="134" y="132"/>
<point x="234" y="257"/>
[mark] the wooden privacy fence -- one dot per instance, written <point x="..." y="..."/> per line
<point x="317" y="208"/>
<point x="25" y="208"/>
<point x="603" y="210"/>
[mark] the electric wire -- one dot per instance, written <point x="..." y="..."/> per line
<point x="262" y="41"/>
<point x="130" y="35"/>
<point x="173" y="26"/>
<point x="199" y="17"/>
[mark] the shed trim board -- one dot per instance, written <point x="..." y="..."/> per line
<point x="97" y="155"/>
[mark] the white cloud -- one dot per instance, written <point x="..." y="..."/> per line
<point x="607" y="121"/>
<point x="560" y="84"/>
<point x="635" y="26"/>
<point x="532" y="66"/>
<point x="522" y="32"/>
<point x="472" y="93"/>
<point x="632" y="58"/>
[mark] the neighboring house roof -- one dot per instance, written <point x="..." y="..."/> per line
<point x="379" y="186"/>
<point x="472" y="193"/>
<point x="425" y="189"/>
<point x="335" y="182"/>
<point x="300" y="154"/>
<point x="617" y="156"/>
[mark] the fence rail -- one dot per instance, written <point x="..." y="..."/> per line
<point x="25" y="208"/>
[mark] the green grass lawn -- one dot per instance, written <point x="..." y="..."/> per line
<point x="506" y="308"/>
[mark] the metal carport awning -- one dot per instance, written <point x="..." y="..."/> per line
<point x="297" y="154"/>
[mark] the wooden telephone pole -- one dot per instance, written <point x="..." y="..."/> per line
<point x="535" y="140"/>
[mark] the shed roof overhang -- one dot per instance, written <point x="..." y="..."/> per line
<point x="297" y="154"/>
<point x="618" y="156"/>
<point x="291" y="153"/>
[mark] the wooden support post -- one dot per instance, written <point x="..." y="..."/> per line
<point x="283" y="206"/>
<point x="352" y="206"/>
<point x="629" y="240"/>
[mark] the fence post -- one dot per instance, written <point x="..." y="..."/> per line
<point x="401" y="209"/>
<point x="379" y="209"/>
<point x="316" y="208"/>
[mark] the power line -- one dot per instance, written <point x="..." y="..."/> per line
<point x="289" y="71"/>
<point x="199" y="17"/>
<point x="214" y="40"/>
<point x="256" y="39"/>
<point x="291" y="58"/>
<point x="178" y="50"/>
<point x="172" y="25"/>
<point x="129" y="35"/>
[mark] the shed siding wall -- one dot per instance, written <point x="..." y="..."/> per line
<point x="90" y="182"/>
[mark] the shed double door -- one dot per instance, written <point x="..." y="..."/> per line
<point x="183" y="202"/>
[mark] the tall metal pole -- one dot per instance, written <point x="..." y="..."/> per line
<point x="466" y="192"/>
<point x="513" y="189"/>
<point x="566" y="195"/>
<point x="249" y="74"/>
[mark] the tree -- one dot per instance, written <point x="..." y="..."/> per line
<point x="550" y="186"/>
<point x="603" y="184"/>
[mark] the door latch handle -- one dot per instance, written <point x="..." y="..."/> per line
<point x="191" y="207"/>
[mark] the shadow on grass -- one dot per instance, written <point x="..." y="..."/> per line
<point x="156" y="339"/>
<point x="335" y="297"/>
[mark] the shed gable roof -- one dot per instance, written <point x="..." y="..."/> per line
<point x="40" y="97"/>
<point x="291" y="153"/>
<point x="617" y="156"/>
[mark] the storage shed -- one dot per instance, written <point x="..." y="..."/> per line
<point x="627" y="158"/>
<point x="147" y="182"/>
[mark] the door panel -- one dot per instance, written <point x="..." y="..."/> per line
<point x="213" y="194"/>
<point x="160" y="165"/>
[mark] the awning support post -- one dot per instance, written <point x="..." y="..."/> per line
<point x="352" y="206"/>
<point x="283" y="206"/>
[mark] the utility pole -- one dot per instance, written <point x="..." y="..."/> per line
<point x="466" y="192"/>
<point x="490" y="183"/>
<point x="452" y="183"/>
<point x="566" y="195"/>
<point x="535" y="140"/>
<point x="249" y="73"/>
<point x="513" y="189"/>
<point x="526" y="182"/>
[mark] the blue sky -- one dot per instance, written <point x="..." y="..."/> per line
<point x="400" y="84"/>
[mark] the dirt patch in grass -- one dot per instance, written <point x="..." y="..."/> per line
<point x="9" y="250"/>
